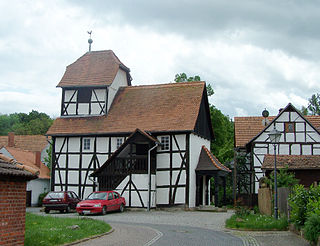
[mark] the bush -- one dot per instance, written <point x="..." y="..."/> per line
<point x="312" y="228"/>
<point x="242" y="212"/>
<point x="40" y="198"/>
<point x="298" y="201"/>
<point x="304" y="203"/>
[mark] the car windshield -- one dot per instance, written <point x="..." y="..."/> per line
<point x="97" y="196"/>
<point x="54" y="195"/>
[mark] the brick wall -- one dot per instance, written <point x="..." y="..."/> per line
<point x="12" y="212"/>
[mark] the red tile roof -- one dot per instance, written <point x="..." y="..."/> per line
<point x="293" y="162"/>
<point x="246" y="128"/>
<point x="208" y="162"/>
<point x="95" y="68"/>
<point x="10" y="170"/>
<point x="27" y="158"/>
<point x="155" y="108"/>
<point x="26" y="142"/>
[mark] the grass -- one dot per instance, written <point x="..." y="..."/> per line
<point x="256" y="222"/>
<point x="47" y="230"/>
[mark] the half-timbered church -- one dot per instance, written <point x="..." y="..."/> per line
<point x="298" y="148"/>
<point x="143" y="141"/>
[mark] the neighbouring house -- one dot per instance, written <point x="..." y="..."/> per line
<point x="144" y="141"/>
<point x="25" y="158"/>
<point x="25" y="149"/>
<point x="13" y="181"/>
<point x="299" y="147"/>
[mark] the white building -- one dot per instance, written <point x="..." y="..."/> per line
<point x="108" y="129"/>
<point x="298" y="148"/>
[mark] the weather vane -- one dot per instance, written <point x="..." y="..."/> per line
<point x="90" y="40"/>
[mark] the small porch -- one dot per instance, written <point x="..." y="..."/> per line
<point x="209" y="167"/>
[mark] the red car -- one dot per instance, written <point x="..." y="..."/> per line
<point x="101" y="202"/>
<point x="60" y="200"/>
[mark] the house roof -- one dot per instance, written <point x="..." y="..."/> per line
<point x="26" y="142"/>
<point x="10" y="170"/>
<point x="27" y="160"/>
<point x="246" y="128"/>
<point x="154" y="108"/>
<point x="208" y="162"/>
<point x="293" y="162"/>
<point x="95" y="68"/>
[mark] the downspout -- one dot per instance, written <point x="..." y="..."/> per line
<point x="149" y="174"/>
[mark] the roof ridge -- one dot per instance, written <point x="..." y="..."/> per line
<point x="167" y="84"/>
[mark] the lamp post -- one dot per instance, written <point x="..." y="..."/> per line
<point x="274" y="136"/>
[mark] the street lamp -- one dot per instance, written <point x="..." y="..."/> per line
<point x="274" y="136"/>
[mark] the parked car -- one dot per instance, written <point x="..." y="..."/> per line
<point x="101" y="202"/>
<point x="63" y="201"/>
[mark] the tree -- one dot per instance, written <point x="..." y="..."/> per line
<point x="182" y="77"/>
<point x="34" y="123"/>
<point x="314" y="105"/>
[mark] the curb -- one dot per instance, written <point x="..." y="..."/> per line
<point x="89" y="238"/>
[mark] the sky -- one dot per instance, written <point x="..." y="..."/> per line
<point x="255" y="54"/>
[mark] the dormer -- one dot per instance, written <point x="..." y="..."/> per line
<point x="90" y="84"/>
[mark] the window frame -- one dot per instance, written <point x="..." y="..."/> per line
<point x="86" y="144"/>
<point x="119" y="142"/>
<point x="164" y="143"/>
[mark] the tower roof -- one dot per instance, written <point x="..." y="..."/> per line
<point x="95" y="68"/>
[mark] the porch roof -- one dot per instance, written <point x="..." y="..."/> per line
<point x="137" y="135"/>
<point x="209" y="163"/>
<point x="293" y="162"/>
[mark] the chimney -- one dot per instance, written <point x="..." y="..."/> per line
<point x="10" y="139"/>
<point x="38" y="158"/>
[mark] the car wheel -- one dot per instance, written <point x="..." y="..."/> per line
<point x="46" y="210"/>
<point x="121" y="208"/>
<point x="68" y="209"/>
<point x="104" y="210"/>
<point x="81" y="214"/>
<point x="61" y="211"/>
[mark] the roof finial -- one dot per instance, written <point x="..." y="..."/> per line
<point x="90" y="40"/>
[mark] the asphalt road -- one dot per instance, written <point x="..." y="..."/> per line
<point x="133" y="228"/>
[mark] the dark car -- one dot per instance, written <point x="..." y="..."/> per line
<point x="101" y="202"/>
<point x="63" y="201"/>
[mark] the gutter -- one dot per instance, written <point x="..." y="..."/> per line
<point x="149" y="174"/>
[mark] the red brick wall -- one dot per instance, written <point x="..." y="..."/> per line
<point x="12" y="212"/>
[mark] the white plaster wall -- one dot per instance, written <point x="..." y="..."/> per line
<point x="141" y="182"/>
<point x="180" y="196"/>
<point x="101" y="94"/>
<point x="95" y="109"/>
<point x="71" y="109"/>
<point x="74" y="144"/>
<point x="58" y="145"/>
<point x="295" y="149"/>
<point x="119" y="80"/>
<point x="102" y="144"/>
<point x="181" y="139"/>
<point x="182" y="179"/>
<point x="163" y="177"/>
<point x="163" y="160"/>
<point x="37" y="186"/>
<point x="68" y="94"/>
<point x="162" y="196"/>
<point x="196" y="143"/>
<point x="73" y="177"/>
<point x="74" y="161"/>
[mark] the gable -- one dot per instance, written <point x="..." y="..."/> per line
<point x="247" y="128"/>
<point x="203" y="126"/>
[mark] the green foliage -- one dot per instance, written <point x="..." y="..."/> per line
<point x="312" y="228"/>
<point x="182" y="77"/>
<point x="40" y="198"/>
<point x="48" y="157"/>
<point x="256" y="222"/>
<point x="298" y="201"/>
<point x="284" y="178"/>
<point x="242" y="212"/>
<point x="222" y="146"/>
<point x="304" y="203"/>
<point x="314" y="104"/>
<point x="48" y="230"/>
<point x="34" y="123"/>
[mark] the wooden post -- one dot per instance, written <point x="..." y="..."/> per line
<point x="216" y="190"/>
